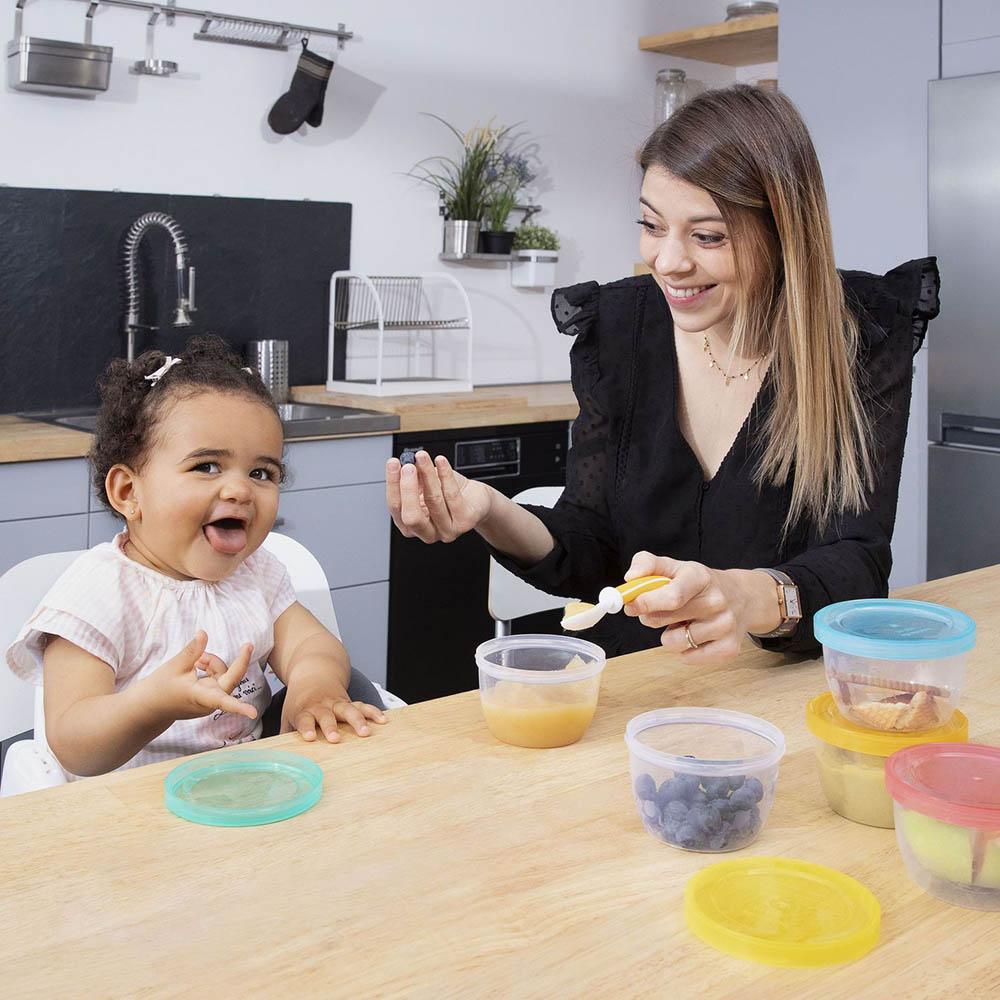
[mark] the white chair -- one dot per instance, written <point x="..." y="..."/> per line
<point x="30" y="764"/>
<point x="509" y="596"/>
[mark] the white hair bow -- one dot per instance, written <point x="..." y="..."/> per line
<point x="155" y="377"/>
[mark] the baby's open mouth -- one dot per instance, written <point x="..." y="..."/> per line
<point x="227" y="535"/>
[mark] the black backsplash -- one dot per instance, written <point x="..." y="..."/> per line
<point x="262" y="271"/>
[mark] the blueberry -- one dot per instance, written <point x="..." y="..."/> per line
<point x="645" y="787"/>
<point x="688" y="837"/>
<point x="725" y="806"/>
<point x="669" y="831"/>
<point x="698" y="797"/>
<point x="705" y="818"/>
<point x="717" y="841"/>
<point x="755" y="820"/>
<point x="678" y="788"/>
<point x="675" y="810"/>
<point x="716" y="788"/>
<point x="755" y="788"/>
<point x="736" y="781"/>
<point x="651" y="812"/>
<point x="741" y="821"/>
<point x="409" y="457"/>
<point x="743" y="798"/>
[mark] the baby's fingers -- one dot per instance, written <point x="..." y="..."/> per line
<point x="227" y="703"/>
<point x="237" y="669"/>
<point x="350" y="712"/>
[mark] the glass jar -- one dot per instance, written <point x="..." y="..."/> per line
<point x="673" y="89"/>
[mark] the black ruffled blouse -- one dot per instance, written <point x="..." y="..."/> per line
<point x="634" y="483"/>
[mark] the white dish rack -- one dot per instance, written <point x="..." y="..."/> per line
<point x="389" y="327"/>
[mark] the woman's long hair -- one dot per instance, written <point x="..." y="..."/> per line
<point x="751" y="151"/>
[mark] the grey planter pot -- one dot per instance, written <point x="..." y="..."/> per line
<point x="461" y="236"/>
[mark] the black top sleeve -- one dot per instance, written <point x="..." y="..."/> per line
<point x="853" y="557"/>
<point x="585" y="556"/>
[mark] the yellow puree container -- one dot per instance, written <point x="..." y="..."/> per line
<point x="851" y="759"/>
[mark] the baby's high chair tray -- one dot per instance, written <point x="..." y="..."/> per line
<point x="243" y="787"/>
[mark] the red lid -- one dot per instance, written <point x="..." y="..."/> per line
<point x="955" y="782"/>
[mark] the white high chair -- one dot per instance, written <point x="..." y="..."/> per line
<point x="509" y="597"/>
<point x="30" y="764"/>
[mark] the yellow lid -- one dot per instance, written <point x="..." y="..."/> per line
<point x="782" y="912"/>
<point x="831" y="727"/>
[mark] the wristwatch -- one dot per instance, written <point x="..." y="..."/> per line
<point x="788" y="604"/>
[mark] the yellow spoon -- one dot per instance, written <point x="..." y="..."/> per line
<point x="611" y="600"/>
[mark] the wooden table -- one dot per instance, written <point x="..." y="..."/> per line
<point x="441" y="863"/>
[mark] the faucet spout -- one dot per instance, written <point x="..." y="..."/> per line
<point x="185" y="275"/>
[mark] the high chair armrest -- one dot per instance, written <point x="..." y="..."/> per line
<point x="29" y="767"/>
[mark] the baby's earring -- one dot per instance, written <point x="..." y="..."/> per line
<point x="132" y="510"/>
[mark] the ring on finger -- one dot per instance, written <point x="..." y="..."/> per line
<point x="687" y="635"/>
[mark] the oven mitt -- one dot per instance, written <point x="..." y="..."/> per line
<point x="304" y="100"/>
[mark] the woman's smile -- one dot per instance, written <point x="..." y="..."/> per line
<point x="690" y="297"/>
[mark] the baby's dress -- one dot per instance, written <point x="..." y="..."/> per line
<point x="135" y="619"/>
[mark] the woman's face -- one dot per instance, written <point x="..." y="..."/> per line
<point x="686" y="245"/>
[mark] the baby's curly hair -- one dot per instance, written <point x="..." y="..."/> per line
<point x="131" y="407"/>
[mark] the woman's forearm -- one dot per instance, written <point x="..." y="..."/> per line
<point x="516" y="532"/>
<point x="98" y="734"/>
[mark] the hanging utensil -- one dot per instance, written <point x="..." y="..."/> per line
<point x="151" y="66"/>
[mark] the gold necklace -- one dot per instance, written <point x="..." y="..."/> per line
<point x="712" y="363"/>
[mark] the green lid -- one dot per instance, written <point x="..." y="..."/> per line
<point x="243" y="787"/>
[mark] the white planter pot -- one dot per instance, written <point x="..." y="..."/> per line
<point x="534" y="268"/>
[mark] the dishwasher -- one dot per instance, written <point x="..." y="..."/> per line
<point x="437" y="593"/>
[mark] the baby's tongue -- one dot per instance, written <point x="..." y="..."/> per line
<point x="224" y="539"/>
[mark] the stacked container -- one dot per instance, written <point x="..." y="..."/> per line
<point x="896" y="670"/>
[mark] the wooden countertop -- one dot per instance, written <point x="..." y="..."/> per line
<point x="530" y="403"/>
<point x="30" y="441"/>
<point x="443" y="863"/>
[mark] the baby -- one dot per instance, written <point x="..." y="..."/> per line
<point x="154" y="645"/>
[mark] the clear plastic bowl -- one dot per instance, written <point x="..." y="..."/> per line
<point x="895" y="666"/>
<point x="539" y="690"/>
<point x="946" y="798"/>
<point x="851" y="759"/>
<point x="703" y="778"/>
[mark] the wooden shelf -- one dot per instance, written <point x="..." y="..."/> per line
<point x="745" y="41"/>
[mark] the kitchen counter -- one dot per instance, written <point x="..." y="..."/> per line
<point x="486" y="405"/>
<point x="441" y="862"/>
<point x="31" y="441"/>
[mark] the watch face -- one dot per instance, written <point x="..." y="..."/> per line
<point x="792" y="609"/>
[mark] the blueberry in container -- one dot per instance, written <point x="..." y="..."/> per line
<point x="703" y="779"/>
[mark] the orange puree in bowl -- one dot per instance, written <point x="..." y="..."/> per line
<point x="540" y="715"/>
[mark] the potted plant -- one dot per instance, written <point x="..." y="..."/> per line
<point x="535" y="256"/>
<point x="509" y="173"/>
<point x="464" y="185"/>
<point x="496" y="238"/>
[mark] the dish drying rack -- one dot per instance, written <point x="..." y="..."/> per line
<point x="370" y="315"/>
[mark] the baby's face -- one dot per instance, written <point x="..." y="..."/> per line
<point x="208" y="494"/>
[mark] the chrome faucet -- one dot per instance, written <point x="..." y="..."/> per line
<point x="185" y="274"/>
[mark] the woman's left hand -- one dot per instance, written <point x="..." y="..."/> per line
<point x="705" y="613"/>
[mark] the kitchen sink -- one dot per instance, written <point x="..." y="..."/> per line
<point x="299" y="420"/>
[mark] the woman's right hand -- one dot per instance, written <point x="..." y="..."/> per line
<point x="432" y="502"/>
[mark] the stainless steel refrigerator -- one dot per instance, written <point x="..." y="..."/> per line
<point x="963" y="500"/>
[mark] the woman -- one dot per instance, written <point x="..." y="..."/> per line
<point x="743" y="408"/>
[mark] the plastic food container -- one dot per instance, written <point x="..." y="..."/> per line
<point x="896" y="666"/>
<point x="851" y="759"/>
<point x="703" y="778"/>
<point x="947" y="802"/>
<point x="539" y="690"/>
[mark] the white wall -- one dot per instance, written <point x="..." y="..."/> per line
<point x="858" y="72"/>
<point x="574" y="78"/>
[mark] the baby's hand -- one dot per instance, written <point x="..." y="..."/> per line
<point x="315" y="704"/>
<point x="186" y="695"/>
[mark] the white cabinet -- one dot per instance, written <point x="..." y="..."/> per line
<point x="970" y="37"/>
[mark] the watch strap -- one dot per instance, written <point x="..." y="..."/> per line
<point x="788" y="603"/>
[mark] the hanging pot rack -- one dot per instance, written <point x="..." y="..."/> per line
<point x="233" y="29"/>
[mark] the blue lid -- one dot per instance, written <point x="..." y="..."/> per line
<point x="887" y="629"/>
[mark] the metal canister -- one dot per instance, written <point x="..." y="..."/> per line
<point x="270" y="358"/>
